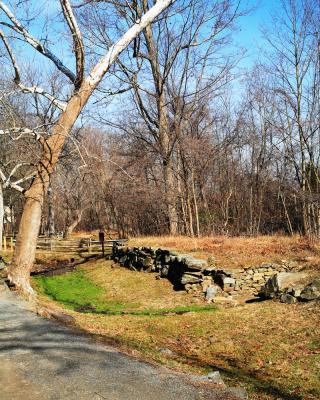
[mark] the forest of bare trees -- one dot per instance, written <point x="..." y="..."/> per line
<point x="179" y="139"/>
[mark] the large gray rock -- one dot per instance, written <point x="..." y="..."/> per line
<point x="280" y="282"/>
<point x="211" y="292"/>
<point x="215" y="377"/>
<point x="311" y="292"/>
<point x="212" y="377"/>
<point x="288" y="298"/>
<point x="228" y="281"/>
<point x="239" y="392"/>
<point x="194" y="264"/>
<point x="190" y="278"/>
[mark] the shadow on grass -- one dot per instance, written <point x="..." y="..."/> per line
<point x="236" y="374"/>
<point x="64" y="347"/>
<point x="63" y="267"/>
<point x="87" y="309"/>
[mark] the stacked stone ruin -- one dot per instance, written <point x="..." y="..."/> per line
<point x="201" y="276"/>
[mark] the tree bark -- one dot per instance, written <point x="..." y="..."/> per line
<point x="170" y="195"/>
<point x="70" y="228"/>
<point x="164" y="139"/>
<point x="1" y="215"/>
<point x="50" y="226"/>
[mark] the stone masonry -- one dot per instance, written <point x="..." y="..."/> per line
<point x="194" y="275"/>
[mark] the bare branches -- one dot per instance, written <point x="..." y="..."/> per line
<point x="17" y="79"/>
<point x="35" y="43"/>
<point x="8" y="183"/>
<point x="11" y="56"/>
<point x="77" y="41"/>
<point x="21" y="132"/>
<point x="37" y="90"/>
<point x="104" y="64"/>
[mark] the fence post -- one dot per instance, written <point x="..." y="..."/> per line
<point x="4" y="243"/>
<point x="89" y="247"/>
<point x="101" y="239"/>
<point x="11" y="243"/>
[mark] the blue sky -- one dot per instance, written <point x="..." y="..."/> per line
<point x="249" y="34"/>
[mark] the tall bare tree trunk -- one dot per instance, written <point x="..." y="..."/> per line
<point x="70" y="228"/>
<point x="195" y="204"/>
<point x="50" y="226"/>
<point x="164" y="139"/>
<point x="190" y="213"/>
<point x="31" y="217"/>
<point x="1" y="215"/>
<point x="25" y="249"/>
<point x="170" y="195"/>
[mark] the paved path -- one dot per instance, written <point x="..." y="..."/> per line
<point x="40" y="359"/>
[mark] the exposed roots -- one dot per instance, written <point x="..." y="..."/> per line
<point x="22" y="285"/>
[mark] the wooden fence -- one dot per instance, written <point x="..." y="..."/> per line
<point x="68" y="246"/>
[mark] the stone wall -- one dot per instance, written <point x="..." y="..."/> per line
<point x="249" y="279"/>
<point x="194" y="275"/>
<point x="180" y="269"/>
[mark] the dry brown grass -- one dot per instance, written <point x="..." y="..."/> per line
<point x="238" y="251"/>
<point x="275" y="360"/>
<point x="272" y="348"/>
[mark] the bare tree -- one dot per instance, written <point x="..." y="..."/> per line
<point x="295" y="71"/>
<point x="176" y="62"/>
<point x="83" y="88"/>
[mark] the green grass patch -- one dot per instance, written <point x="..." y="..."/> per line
<point x="77" y="292"/>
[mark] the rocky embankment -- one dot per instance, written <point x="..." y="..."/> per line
<point x="271" y="280"/>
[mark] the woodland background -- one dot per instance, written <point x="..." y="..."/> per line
<point x="180" y="140"/>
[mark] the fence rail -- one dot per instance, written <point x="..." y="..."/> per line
<point x="60" y="245"/>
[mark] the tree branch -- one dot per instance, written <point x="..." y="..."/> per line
<point x="17" y="80"/>
<point x="77" y="41"/>
<point x="36" y="44"/>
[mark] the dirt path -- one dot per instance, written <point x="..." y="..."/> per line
<point x="40" y="359"/>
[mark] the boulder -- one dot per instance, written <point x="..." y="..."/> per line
<point x="228" y="281"/>
<point x="147" y="262"/>
<point x="288" y="298"/>
<point x="312" y="291"/>
<point x="239" y="393"/>
<point x="194" y="264"/>
<point x="211" y="293"/>
<point x="190" y="278"/>
<point x="280" y="282"/>
<point x="212" y="377"/>
<point x="215" y="377"/>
